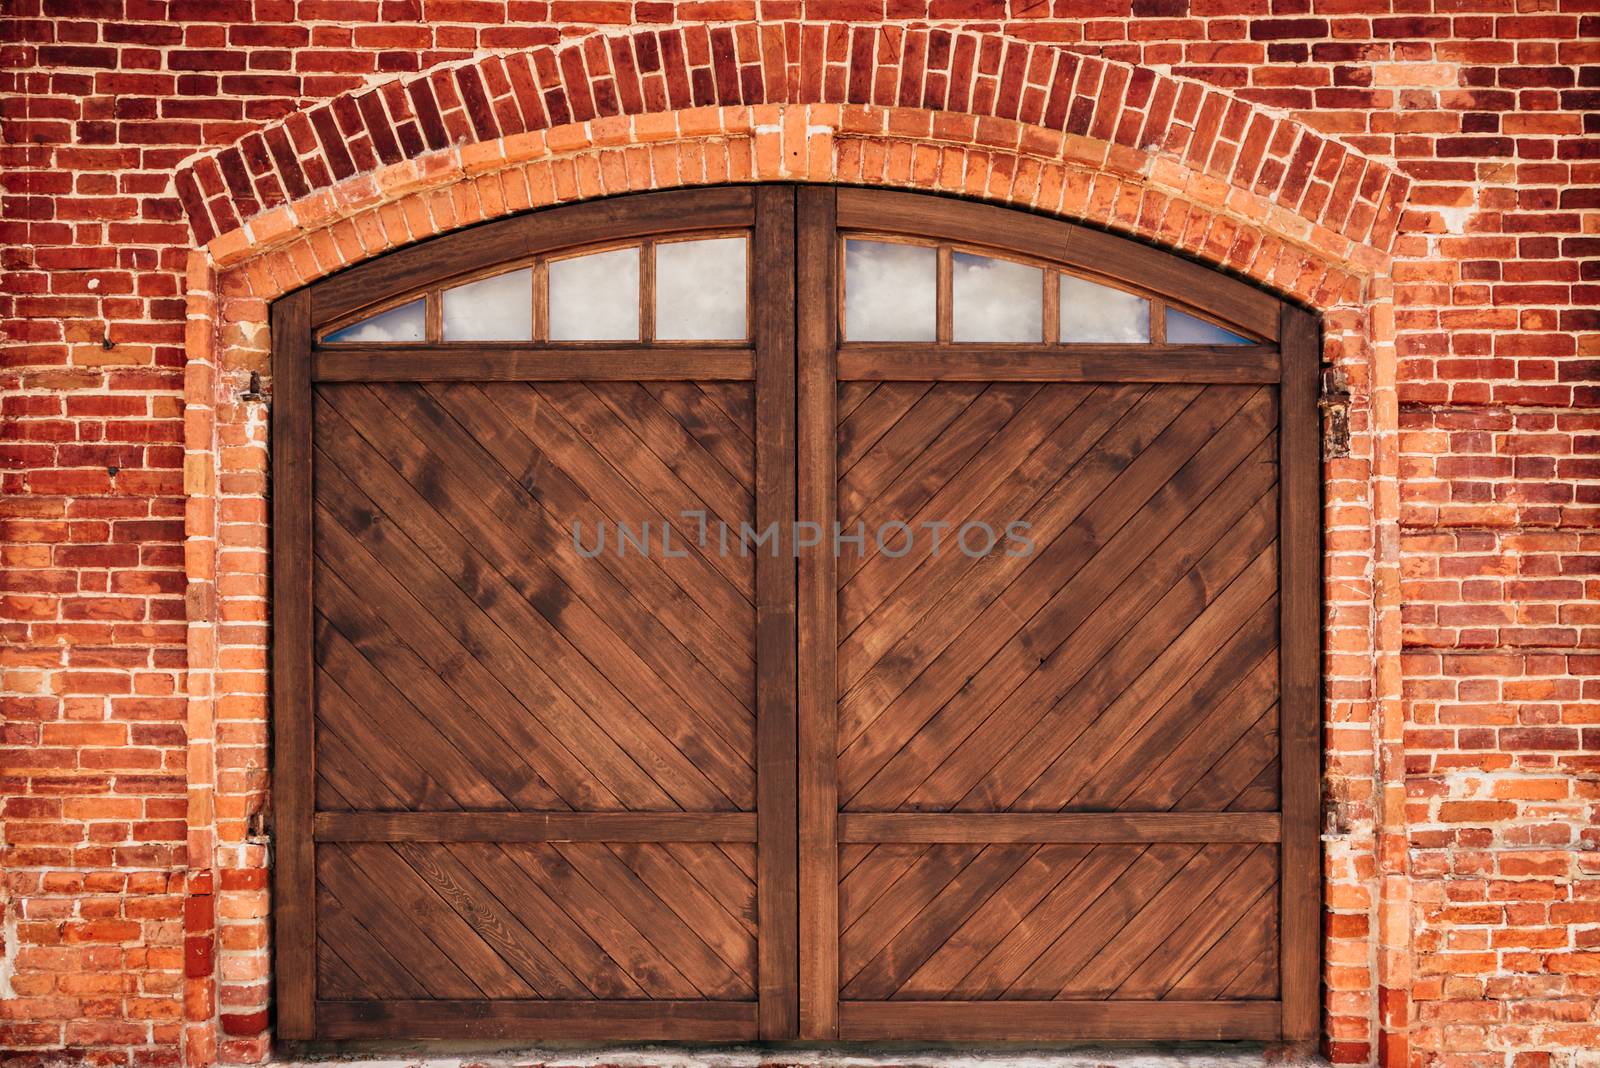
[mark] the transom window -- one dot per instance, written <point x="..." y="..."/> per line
<point x="689" y="289"/>
<point x="697" y="289"/>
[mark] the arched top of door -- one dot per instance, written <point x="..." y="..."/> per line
<point x="672" y="268"/>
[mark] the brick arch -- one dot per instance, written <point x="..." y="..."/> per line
<point x="1173" y="163"/>
<point x="983" y="90"/>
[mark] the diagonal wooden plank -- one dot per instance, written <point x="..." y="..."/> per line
<point x="483" y="639"/>
<point x="1039" y="927"/>
<point x="1066" y="637"/>
<point x="729" y="443"/>
<point x="520" y="717"/>
<point x="666" y="877"/>
<point x="380" y="972"/>
<point x="616" y="497"/>
<point x="850" y="396"/>
<point x="1187" y="890"/>
<point x="675" y="446"/>
<point x="404" y="515"/>
<point x="736" y="400"/>
<point x="621" y="450"/>
<point x="864" y="937"/>
<point x="1226" y="904"/>
<point x="1242" y="963"/>
<point x="873" y="417"/>
<point x="337" y="981"/>
<point x="1004" y="912"/>
<point x="1049" y="437"/>
<point x="900" y="446"/>
<point x="1052" y="971"/>
<point x="1159" y="772"/>
<point x="1154" y="684"/>
<point x="867" y="871"/>
<point x="910" y="496"/>
<point x="592" y="909"/>
<point x="725" y="649"/>
<point x="932" y="927"/>
<point x="393" y="924"/>
<point x="493" y="866"/>
<point x="1237" y="769"/>
<point x="416" y="892"/>
<point x="517" y="945"/>
<point x="372" y="768"/>
<point x="476" y="498"/>
<point x="420" y="711"/>
<point x="654" y="919"/>
<point x="990" y="604"/>
<point x="361" y="684"/>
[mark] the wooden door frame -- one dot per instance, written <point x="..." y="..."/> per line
<point x="299" y="361"/>
<point x="795" y="362"/>
<point x="1290" y="358"/>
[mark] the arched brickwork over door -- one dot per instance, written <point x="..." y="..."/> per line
<point x="776" y="763"/>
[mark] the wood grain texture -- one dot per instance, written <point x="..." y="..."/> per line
<point x="552" y="363"/>
<point x="293" y="679"/>
<point x="1058" y="1021"/>
<point x="1300" y="577"/>
<point x="1058" y="827"/>
<point x="1069" y="363"/>
<point x="818" y="798"/>
<point x="777" y="856"/>
<point x="536" y="827"/>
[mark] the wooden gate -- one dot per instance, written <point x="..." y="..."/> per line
<point x="1047" y="772"/>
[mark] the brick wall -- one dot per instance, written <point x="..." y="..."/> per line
<point x="1464" y="897"/>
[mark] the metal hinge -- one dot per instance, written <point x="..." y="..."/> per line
<point x="1334" y="404"/>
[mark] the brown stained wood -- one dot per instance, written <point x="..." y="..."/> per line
<point x="536" y="827"/>
<point x="462" y="363"/>
<point x="1091" y="251"/>
<point x="1030" y="1021"/>
<point x="559" y="797"/>
<point x="817" y="407"/>
<point x="293" y="680"/>
<point x="1300" y="716"/>
<point x="1058" y="827"/>
<point x="1067" y="363"/>
<point x="777" y="852"/>
<point x="704" y="1021"/>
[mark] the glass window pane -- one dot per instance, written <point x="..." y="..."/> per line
<point x="1097" y="313"/>
<point x="891" y="291"/>
<point x="700" y="289"/>
<point x="595" y="297"/>
<point x="996" y="300"/>
<point x="408" y="322"/>
<point x="491" y="309"/>
<point x="1185" y="329"/>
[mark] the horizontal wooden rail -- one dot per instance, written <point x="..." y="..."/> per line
<point x="535" y="827"/>
<point x="1063" y="363"/>
<point x="530" y="363"/>
<point x="1036" y="1021"/>
<point x="1062" y="827"/>
<point x="610" y="1020"/>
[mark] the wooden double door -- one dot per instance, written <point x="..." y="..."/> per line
<point x="802" y="684"/>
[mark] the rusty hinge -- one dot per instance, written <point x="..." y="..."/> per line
<point x="1334" y="404"/>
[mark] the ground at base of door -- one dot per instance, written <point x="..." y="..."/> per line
<point x="1231" y="1055"/>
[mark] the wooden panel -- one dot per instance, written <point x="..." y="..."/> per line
<point x="818" y="799"/>
<point x="1300" y="574"/>
<point x="536" y="827"/>
<point x="294" y="768"/>
<point x="541" y="1020"/>
<point x="1038" y="922"/>
<point x="457" y="606"/>
<point x="1016" y="680"/>
<point x="550" y="921"/>
<point x="1057" y="1021"/>
<point x="1078" y="363"/>
<point x="773" y="251"/>
<point x="1058" y="827"/>
<point x="464" y="363"/>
